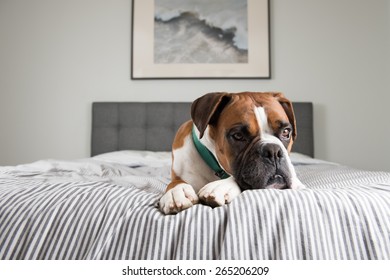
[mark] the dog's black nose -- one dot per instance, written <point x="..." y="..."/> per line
<point x="272" y="152"/>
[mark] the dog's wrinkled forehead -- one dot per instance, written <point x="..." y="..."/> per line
<point x="261" y="115"/>
<point x="224" y="110"/>
<point x="242" y="111"/>
<point x="262" y="120"/>
<point x="271" y="116"/>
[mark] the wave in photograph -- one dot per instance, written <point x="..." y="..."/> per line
<point x="200" y="31"/>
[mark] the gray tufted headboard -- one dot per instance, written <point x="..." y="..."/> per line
<point x="152" y="126"/>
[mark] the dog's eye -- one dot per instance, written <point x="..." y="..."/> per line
<point x="238" y="136"/>
<point x="286" y="133"/>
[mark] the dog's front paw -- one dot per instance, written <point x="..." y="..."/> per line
<point x="219" y="192"/>
<point x="178" y="199"/>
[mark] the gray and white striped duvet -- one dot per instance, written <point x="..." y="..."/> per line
<point x="97" y="210"/>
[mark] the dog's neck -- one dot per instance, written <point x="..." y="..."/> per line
<point x="208" y="157"/>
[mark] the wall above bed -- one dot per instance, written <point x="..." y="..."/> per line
<point x="57" y="57"/>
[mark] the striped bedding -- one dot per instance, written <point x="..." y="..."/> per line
<point x="105" y="208"/>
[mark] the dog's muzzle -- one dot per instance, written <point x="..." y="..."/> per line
<point x="263" y="166"/>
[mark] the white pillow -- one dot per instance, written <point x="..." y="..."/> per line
<point x="133" y="158"/>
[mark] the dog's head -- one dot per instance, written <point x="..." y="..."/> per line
<point x="251" y="134"/>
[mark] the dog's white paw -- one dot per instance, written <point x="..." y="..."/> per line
<point x="178" y="199"/>
<point x="296" y="184"/>
<point x="219" y="192"/>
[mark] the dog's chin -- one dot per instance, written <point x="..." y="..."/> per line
<point x="277" y="182"/>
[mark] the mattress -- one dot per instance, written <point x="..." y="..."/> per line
<point x="105" y="207"/>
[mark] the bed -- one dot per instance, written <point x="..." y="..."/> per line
<point x="105" y="206"/>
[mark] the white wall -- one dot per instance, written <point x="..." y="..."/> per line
<point x="57" y="57"/>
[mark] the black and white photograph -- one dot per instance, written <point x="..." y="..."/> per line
<point x="200" y="31"/>
<point x="185" y="39"/>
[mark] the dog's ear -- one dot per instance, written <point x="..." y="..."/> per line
<point x="288" y="108"/>
<point x="206" y="109"/>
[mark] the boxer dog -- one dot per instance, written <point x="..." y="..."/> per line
<point x="234" y="142"/>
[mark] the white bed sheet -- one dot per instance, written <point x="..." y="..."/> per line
<point x="105" y="208"/>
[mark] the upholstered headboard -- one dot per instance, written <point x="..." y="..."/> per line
<point x="152" y="126"/>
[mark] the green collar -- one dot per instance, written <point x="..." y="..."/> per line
<point x="208" y="157"/>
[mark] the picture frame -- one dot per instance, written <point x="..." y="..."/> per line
<point x="224" y="40"/>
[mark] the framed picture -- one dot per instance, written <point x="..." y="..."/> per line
<point x="183" y="39"/>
